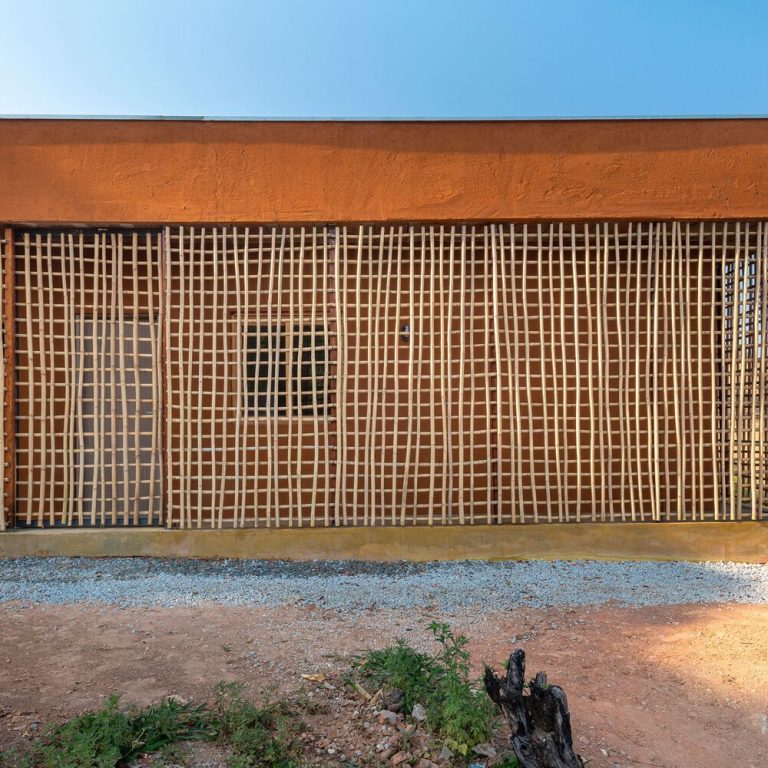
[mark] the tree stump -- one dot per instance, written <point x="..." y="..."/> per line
<point x="540" y="721"/>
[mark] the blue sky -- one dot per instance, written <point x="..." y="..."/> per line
<point x="392" y="58"/>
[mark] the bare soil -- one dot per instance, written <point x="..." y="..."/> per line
<point x="673" y="686"/>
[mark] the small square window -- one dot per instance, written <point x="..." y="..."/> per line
<point x="286" y="369"/>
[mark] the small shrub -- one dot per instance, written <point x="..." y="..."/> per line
<point x="457" y="711"/>
<point x="399" y="666"/>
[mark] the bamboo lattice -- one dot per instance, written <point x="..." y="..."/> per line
<point x="392" y="374"/>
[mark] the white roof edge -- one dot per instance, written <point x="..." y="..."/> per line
<point x="203" y="118"/>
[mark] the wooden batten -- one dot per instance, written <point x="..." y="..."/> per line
<point x="8" y="492"/>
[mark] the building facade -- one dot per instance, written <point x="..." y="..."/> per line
<point x="264" y="325"/>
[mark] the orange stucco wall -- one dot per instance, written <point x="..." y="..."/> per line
<point x="113" y="171"/>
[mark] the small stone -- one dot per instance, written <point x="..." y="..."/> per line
<point x="484" y="750"/>
<point x="400" y="758"/>
<point x="418" y="713"/>
<point x="392" y="699"/>
<point x="445" y="755"/>
<point x="386" y="716"/>
<point x="385" y="755"/>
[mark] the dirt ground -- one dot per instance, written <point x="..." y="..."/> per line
<point x="673" y="686"/>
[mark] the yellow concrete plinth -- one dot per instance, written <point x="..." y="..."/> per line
<point x="711" y="541"/>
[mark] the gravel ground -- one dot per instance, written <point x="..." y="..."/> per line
<point x="358" y="586"/>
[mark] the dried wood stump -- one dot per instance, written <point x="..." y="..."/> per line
<point x="540" y="721"/>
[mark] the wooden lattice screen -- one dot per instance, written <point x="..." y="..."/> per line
<point x="88" y="394"/>
<point x="388" y="375"/>
<point x="250" y="333"/>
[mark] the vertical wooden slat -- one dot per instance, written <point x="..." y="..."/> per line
<point x="155" y="374"/>
<point x="31" y="373"/>
<point x="462" y="368"/>
<point x="190" y="475"/>
<point x="421" y="333"/>
<point x="758" y="507"/>
<point x="8" y="503"/>
<point x="279" y="350"/>
<point x="199" y="336"/>
<point x="120" y="300"/>
<point x="719" y="360"/>
<point x="528" y="389"/>
<point x="625" y="470"/>
<point x="299" y="352"/>
<point x="713" y="355"/>
<point x="219" y="328"/>
<point x="446" y="331"/>
<point x="390" y="332"/>
<point x="315" y="262"/>
<point x="375" y="265"/>
<point x="753" y="393"/>
<point x="396" y="375"/>
<point x="223" y="255"/>
<point x="642" y="266"/>
<point x="604" y="357"/>
<point x="113" y="372"/>
<point x="289" y="327"/>
<point x="653" y="373"/>
<point x="80" y="351"/>
<point x="665" y="260"/>
<point x="593" y="382"/>
<point x="43" y="376"/>
<point x="674" y="257"/>
<point x="433" y="348"/>
<point x="242" y="409"/>
<point x="544" y="385"/>
<point x="693" y="436"/>
<point x="67" y="507"/>
<point x="496" y="481"/>
<point x="411" y="355"/>
<point x="330" y="322"/>
<point x="239" y="371"/>
<point x="137" y="388"/>
<point x="558" y="382"/>
<point x="510" y="389"/>
<point x="181" y="393"/>
<point x="489" y="373"/>
<point x="339" y="257"/>
<point x="164" y="324"/>
<point x="254" y="325"/>
<point x="472" y="373"/>
<point x="356" y="462"/>
<point x="742" y="367"/>
<point x="734" y="452"/>
<point x="270" y="400"/>
<point x="518" y="459"/>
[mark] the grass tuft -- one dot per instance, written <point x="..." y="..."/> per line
<point x="257" y="737"/>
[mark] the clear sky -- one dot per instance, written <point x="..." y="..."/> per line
<point x="389" y="58"/>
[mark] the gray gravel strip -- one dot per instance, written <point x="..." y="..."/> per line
<point x="357" y="586"/>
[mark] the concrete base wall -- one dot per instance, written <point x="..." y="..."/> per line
<point x="742" y="542"/>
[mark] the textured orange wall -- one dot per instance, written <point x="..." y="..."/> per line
<point x="193" y="171"/>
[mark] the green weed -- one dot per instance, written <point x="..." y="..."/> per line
<point x="458" y="711"/>
<point x="263" y="737"/>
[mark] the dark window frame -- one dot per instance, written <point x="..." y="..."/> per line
<point x="268" y="369"/>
